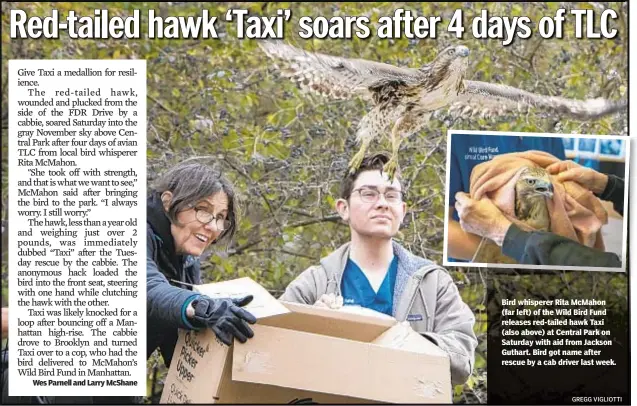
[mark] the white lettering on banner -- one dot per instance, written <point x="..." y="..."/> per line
<point x="77" y="183"/>
<point x="480" y="153"/>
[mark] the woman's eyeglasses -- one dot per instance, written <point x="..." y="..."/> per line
<point x="205" y="217"/>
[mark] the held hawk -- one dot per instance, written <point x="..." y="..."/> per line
<point x="405" y="98"/>
<point x="532" y="190"/>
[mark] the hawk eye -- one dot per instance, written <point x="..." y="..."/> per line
<point x="451" y="52"/>
<point x="530" y="181"/>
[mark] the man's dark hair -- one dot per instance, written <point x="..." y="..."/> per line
<point x="369" y="163"/>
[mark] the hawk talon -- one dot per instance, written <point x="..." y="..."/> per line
<point x="356" y="161"/>
<point x="390" y="167"/>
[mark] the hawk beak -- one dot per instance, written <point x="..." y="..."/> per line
<point x="462" y="50"/>
<point x="544" y="188"/>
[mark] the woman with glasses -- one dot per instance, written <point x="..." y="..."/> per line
<point x="191" y="207"/>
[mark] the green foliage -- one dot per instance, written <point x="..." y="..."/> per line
<point x="286" y="151"/>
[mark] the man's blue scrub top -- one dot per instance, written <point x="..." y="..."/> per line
<point x="356" y="289"/>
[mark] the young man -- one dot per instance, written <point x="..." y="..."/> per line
<point x="373" y="271"/>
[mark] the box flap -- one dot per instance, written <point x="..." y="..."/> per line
<point x="331" y="322"/>
<point x="295" y="359"/>
<point x="238" y="392"/>
<point x="195" y="373"/>
<point x="263" y="304"/>
<point x="403" y="337"/>
<point x="344" y="313"/>
<point x="364" y="311"/>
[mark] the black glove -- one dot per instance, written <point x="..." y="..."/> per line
<point x="225" y="317"/>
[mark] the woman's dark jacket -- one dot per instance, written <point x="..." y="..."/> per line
<point x="166" y="301"/>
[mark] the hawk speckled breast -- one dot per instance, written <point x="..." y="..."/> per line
<point x="404" y="98"/>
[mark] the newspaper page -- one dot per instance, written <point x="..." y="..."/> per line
<point x="77" y="157"/>
<point x="426" y="202"/>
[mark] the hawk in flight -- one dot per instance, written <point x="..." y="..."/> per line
<point x="405" y="98"/>
<point x="532" y="189"/>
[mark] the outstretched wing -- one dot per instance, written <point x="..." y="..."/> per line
<point x="489" y="100"/>
<point x="336" y="77"/>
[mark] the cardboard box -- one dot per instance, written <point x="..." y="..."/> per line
<point x="300" y="352"/>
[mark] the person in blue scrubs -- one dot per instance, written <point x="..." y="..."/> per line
<point x="373" y="271"/>
<point x="469" y="150"/>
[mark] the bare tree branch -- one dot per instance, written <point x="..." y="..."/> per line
<point x="284" y="251"/>
<point x="333" y="218"/>
<point x="163" y="106"/>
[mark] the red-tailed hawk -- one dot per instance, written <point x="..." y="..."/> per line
<point x="532" y="190"/>
<point x="406" y="97"/>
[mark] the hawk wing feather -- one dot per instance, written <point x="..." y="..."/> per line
<point x="488" y="99"/>
<point x="337" y="77"/>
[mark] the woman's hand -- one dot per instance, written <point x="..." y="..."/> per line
<point x="225" y="317"/>
<point x="587" y="177"/>
<point x="481" y="217"/>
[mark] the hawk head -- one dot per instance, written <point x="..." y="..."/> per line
<point x="454" y="56"/>
<point x="449" y="66"/>
<point x="534" y="183"/>
<point x="532" y="190"/>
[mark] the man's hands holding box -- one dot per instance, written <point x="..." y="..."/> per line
<point x="330" y="301"/>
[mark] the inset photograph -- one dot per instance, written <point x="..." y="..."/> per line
<point x="536" y="201"/>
